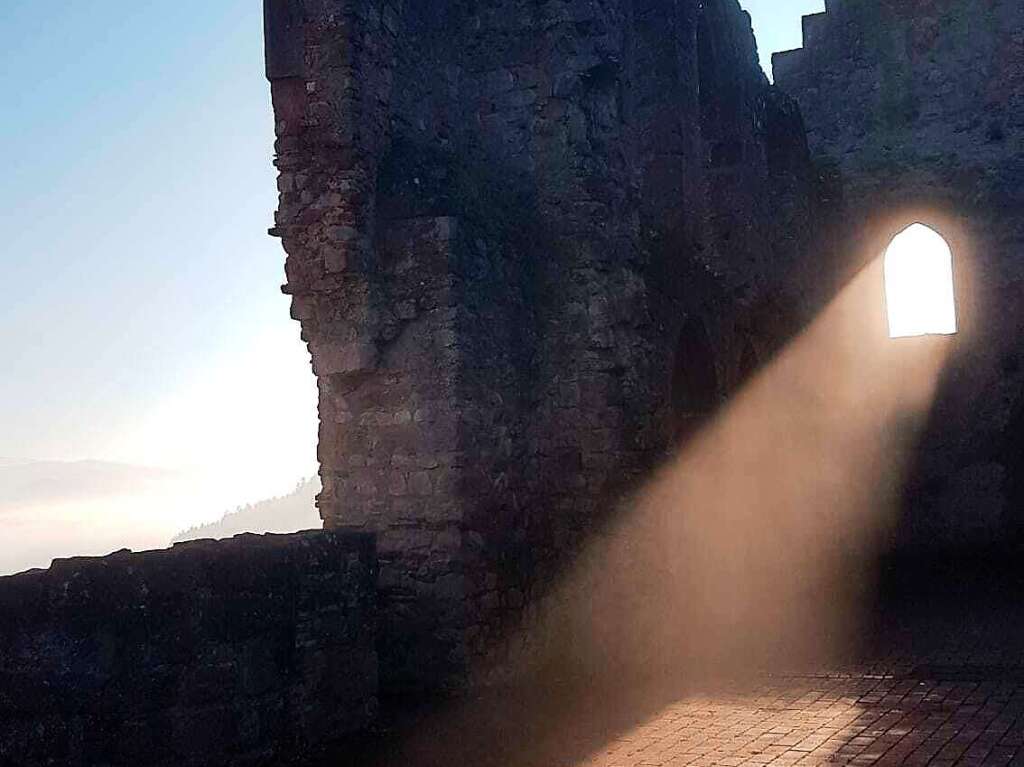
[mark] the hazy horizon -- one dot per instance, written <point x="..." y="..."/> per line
<point x="144" y="326"/>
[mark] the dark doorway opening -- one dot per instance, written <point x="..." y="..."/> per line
<point x="695" y="388"/>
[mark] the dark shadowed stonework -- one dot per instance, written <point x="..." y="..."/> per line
<point x="916" y="109"/>
<point x="246" y="651"/>
<point x="530" y="244"/>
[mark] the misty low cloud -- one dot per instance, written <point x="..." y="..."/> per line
<point x="31" y="483"/>
<point x="54" y="509"/>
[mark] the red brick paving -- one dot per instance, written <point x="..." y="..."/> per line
<point x="943" y="686"/>
<point x="939" y="682"/>
<point x="843" y="720"/>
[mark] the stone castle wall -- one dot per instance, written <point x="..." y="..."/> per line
<point x="916" y="108"/>
<point x="529" y="244"/>
<point x="244" y="652"/>
<point x="533" y="245"/>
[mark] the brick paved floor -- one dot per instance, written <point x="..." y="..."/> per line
<point x="942" y="684"/>
<point x="854" y="720"/>
<point x="939" y="682"/>
<point x="932" y="715"/>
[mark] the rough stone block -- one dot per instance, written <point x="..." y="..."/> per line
<point x="333" y="357"/>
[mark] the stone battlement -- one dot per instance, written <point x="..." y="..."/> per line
<point x="785" y="64"/>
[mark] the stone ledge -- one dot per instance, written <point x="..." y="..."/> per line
<point x="211" y="652"/>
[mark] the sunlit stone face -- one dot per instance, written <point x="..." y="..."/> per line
<point x="919" y="284"/>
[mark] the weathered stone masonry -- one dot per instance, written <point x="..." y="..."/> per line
<point x="529" y="244"/>
<point x="249" y="651"/>
<point x="917" y="108"/>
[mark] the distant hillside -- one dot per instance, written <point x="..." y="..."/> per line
<point x="287" y="514"/>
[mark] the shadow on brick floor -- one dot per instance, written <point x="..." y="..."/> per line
<point x="939" y="681"/>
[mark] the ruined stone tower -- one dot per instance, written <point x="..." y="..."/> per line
<point x="915" y="109"/>
<point x="529" y="243"/>
<point x="533" y="244"/>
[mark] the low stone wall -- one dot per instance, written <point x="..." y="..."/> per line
<point x="235" y="652"/>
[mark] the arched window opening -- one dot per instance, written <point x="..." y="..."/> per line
<point x="919" y="293"/>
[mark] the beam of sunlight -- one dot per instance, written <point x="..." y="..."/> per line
<point x="752" y="546"/>
<point x="745" y="725"/>
<point x="750" y="550"/>
<point x="919" y="284"/>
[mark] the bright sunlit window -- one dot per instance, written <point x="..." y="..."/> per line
<point x="919" y="284"/>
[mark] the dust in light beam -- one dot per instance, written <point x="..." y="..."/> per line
<point x="919" y="284"/>
<point x="753" y="547"/>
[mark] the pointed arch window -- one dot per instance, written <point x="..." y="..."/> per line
<point x="919" y="293"/>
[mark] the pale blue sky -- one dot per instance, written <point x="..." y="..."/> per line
<point x="777" y="24"/>
<point x="136" y="194"/>
<point x="141" y="318"/>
